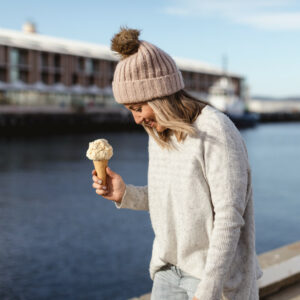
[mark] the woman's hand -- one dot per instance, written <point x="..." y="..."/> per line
<point x="195" y="298"/>
<point x="115" y="186"/>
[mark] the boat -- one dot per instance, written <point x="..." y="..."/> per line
<point x="222" y="96"/>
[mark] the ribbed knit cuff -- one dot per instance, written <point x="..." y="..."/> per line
<point x="123" y="201"/>
<point x="147" y="89"/>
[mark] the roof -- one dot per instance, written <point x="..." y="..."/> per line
<point x="185" y="64"/>
<point x="41" y="42"/>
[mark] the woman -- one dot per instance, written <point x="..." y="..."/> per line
<point x="199" y="192"/>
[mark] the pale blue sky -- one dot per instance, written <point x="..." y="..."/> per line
<point x="261" y="38"/>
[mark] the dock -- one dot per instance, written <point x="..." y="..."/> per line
<point x="40" y="120"/>
<point x="16" y="120"/>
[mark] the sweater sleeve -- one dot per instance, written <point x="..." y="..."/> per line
<point x="226" y="167"/>
<point x="135" y="197"/>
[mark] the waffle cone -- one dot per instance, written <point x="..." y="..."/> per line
<point x="100" y="167"/>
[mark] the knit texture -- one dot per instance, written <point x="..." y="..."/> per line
<point x="201" y="209"/>
<point x="147" y="74"/>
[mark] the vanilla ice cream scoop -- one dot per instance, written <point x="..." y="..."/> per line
<point x="100" y="151"/>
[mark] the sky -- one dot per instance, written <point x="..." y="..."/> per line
<point x="260" y="38"/>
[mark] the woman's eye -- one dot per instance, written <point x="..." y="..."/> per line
<point x="138" y="109"/>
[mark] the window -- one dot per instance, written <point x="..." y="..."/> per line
<point x="45" y="77"/>
<point x="14" y="56"/>
<point x="57" y="78"/>
<point x="14" y="74"/>
<point x="24" y="76"/>
<point x="23" y="57"/>
<point x="88" y="66"/>
<point x="2" y="54"/>
<point x="44" y="59"/>
<point x="112" y="65"/>
<point x="80" y="65"/>
<point x="2" y="74"/>
<point x="96" y="65"/>
<point x="74" y="78"/>
<point x="14" y="70"/>
<point x="91" y="80"/>
<point x="57" y="60"/>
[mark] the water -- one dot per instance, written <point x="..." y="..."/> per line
<point x="60" y="240"/>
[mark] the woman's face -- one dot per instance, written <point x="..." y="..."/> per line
<point x="143" y="114"/>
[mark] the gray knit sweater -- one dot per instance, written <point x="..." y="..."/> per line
<point x="201" y="208"/>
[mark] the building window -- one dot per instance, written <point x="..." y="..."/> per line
<point x="45" y="77"/>
<point x="96" y="65"/>
<point x="2" y="74"/>
<point x="112" y="65"/>
<point x="57" y="61"/>
<point x="24" y="76"/>
<point x="2" y="54"/>
<point x="91" y="80"/>
<point x="210" y="80"/>
<point x="204" y="81"/>
<point x="14" y="74"/>
<point x="44" y="59"/>
<point x="23" y="57"/>
<point x="75" y="78"/>
<point x="80" y="65"/>
<point x="14" y="70"/>
<point x="88" y="66"/>
<point x="57" y="78"/>
<point x="14" y="57"/>
<point x="188" y="79"/>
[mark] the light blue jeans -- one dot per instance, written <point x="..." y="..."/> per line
<point x="171" y="283"/>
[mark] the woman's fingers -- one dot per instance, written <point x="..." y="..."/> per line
<point x="101" y="192"/>
<point x="97" y="180"/>
<point x="94" y="173"/>
<point x="99" y="186"/>
<point x="96" y="186"/>
<point x="100" y="189"/>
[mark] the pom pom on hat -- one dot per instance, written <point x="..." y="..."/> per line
<point x="126" y="42"/>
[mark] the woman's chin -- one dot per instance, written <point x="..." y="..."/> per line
<point x="159" y="128"/>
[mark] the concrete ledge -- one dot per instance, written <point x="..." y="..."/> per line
<point x="281" y="268"/>
<point x="281" y="278"/>
<point x="289" y="293"/>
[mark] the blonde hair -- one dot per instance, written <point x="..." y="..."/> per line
<point x="177" y="113"/>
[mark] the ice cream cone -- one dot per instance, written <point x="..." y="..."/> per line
<point x="100" y="167"/>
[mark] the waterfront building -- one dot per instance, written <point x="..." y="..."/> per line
<point x="40" y="70"/>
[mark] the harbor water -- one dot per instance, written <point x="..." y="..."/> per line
<point x="60" y="240"/>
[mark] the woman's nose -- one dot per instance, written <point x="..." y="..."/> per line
<point x="137" y="119"/>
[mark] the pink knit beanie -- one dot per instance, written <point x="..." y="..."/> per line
<point x="144" y="72"/>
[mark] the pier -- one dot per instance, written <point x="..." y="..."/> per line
<point x="268" y="117"/>
<point x="37" y="120"/>
<point x="18" y="120"/>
